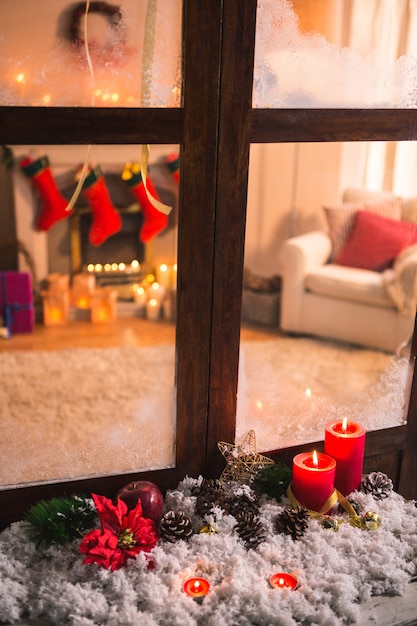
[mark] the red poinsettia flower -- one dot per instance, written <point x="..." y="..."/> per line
<point x="122" y="536"/>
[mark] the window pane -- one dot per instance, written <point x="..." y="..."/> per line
<point x="89" y="389"/>
<point x="56" y="54"/>
<point x="323" y="339"/>
<point x="321" y="53"/>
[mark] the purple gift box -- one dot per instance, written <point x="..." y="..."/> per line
<point x="16" y="302"/>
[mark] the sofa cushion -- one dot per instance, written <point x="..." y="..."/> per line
<point x="376" y="241"/>
<point x="347" y="283"/>
<point x="340" y="218"/>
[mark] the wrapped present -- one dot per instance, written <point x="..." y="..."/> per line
<point x="16" y="302"/>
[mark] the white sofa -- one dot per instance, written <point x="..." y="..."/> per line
<point x="337" y="302"/>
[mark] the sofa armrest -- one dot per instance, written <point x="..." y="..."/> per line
<point x="303" y="253"/>
<point x="299" y="256"/>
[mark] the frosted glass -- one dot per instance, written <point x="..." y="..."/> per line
<point x="365" y="58"/>
<point x="132" y="59"/>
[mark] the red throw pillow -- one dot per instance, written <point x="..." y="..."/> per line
<point x="375" y="241"/>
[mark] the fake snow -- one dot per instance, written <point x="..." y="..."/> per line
<point x="336" y="571"/>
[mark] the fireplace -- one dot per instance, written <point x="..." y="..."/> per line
<point x="65" y="247"/>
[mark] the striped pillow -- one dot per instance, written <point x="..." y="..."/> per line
<point x="340" y="218"/>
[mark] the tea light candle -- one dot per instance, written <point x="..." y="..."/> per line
<point x="196" y="588"/>
<point x="313" y="479"/>
<point x="283" y="580"/>
<point x="345" y="442"/>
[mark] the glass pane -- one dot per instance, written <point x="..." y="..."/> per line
<point x="326" y="336"/>
<point x="322" y="53"/>
<point x="88" y="389"/>
<point x="91" y="54"/>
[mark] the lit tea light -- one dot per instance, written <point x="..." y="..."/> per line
<point x="114" y="267"/>
<point x="135" y="265"/>
<point x="121" y="267"/>
<point x="196" y="588"/>
<point x="107" y="267"/>
<point x="98" y="267"/>
<point x="90" y="267"/>
<point x="283" y="580"/>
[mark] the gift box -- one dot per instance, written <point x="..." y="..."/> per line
<point x="16" y="302"/>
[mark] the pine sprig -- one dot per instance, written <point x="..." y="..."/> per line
<point x="60" y="520"/>
<point x="273" y="481"/>
<point x="7" y="157"/>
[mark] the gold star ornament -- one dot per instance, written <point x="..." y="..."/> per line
<point x="243" y="462"/>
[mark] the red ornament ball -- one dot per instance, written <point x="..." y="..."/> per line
<point x="148" y="493"/>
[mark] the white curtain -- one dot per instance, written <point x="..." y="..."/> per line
<point x="388" y="30"/>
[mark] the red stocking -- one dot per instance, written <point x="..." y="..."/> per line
<point x="173" y="163"/>
<point x="106" y="219"/>
<point x="154" y="221"/>
<point x="54" y="205"/>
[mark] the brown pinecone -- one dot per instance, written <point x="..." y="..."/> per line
<point x="377" y="484"/>
<point x="175" y="526"/>
<point x="292" y="522"/>
<point x="250" y="529"/>
<point x="243" y="504"/>
<point x="210" y="494"/>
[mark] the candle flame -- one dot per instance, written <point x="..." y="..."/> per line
<point x="308" y="392"/>
<point x="344" y="424"/>
<point x="315" y="459"/>
<point x="196" y="585"/>
<point x="281" y="582"/>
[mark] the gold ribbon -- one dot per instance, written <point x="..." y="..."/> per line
<point x="335" y="496"/>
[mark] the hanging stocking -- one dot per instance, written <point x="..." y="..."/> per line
<point x="54" y="205"/>
<point x="173" y="163"/>
<point x="106" y="219"/>
<point x="154" y="221"/>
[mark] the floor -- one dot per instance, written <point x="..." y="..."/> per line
<point x="125" y="331"/>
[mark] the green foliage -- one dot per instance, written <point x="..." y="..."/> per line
<point x="60" y="520"/>
<point x="6" y="157"/>
<point x="273" y="481"/>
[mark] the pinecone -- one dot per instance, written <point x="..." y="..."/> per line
<point x="243" y="504"/>
<point x="250" y="529"/>
<point x="377" y="484"/>
<point x="175" y="526"/>
<point x="292" y="522"/>
<point x="211" y="494"/>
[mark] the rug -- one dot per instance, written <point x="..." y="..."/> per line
<point x="79" y="412"/>
<point x="336" y="571"/>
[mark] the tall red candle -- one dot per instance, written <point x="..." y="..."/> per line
<point x="345" y="442"/>
<point x="313" y="479"/>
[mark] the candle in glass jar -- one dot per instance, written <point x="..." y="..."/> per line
<point x="313" y="477"/>
<point x="345" y="442"/>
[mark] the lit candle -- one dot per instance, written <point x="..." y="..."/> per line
<point x="313" y="477"/>
<point x="196" y="588"/>
<point x="283" y="580"/>
<point x="139" y="295"/>
<point x="163" y="275"/>
<point x="153" y="309"/>
<point x="156" y="291"/>
<point x="345" y="442"/>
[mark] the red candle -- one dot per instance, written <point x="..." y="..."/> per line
<point x="313" y="479"/>
<point x="196" y="587"/>
<point x="345" y="442"/>
<point x="282" y="580"/>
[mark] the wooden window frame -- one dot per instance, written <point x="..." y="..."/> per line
<point x="214" y="127"/>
